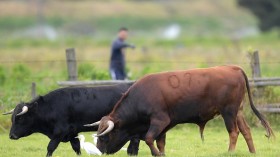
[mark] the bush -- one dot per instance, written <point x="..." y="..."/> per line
<point x="267" y="11"/>
<point x="87" y="71"/>
<point x="2" y="75"/>
<point x="20" y="72"/>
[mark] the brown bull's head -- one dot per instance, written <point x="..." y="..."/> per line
<point x="111" y="137"/>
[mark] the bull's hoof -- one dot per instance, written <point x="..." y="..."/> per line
<point x="161" y="154"/>
<point x="156" y="154"/>
<point x="132" y="154"/>
<point x="49" y="154"/>
<point x="79" y="153"/>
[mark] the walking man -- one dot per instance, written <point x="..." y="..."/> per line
<point x="117" y="60"/>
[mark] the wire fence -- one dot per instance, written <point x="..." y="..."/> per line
<point x="54" y="77"/>
<point x="62" y="62"/>
<point x="135" y="61"/>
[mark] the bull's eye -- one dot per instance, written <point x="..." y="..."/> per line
<point x="104" y="139"/>
<point x="19" y="119"/>
<point x="101" y="138"/>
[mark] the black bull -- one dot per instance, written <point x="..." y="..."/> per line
<point x="60" y="114"/>
<point x="158" y="102"/>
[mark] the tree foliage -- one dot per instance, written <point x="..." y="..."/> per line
<point x="267" y="11"/>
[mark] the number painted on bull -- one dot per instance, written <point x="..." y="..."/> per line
<point x="187" y="78"/>
<point x="174" y="81"/>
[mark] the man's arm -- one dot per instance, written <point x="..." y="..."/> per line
<point x="119" y="45"/>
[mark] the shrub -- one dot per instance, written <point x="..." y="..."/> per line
<point x="20" y="72"/>
<point x="88" y="71"/>
<point x="2" y="75"/>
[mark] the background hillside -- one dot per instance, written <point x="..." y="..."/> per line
<point x="101" y="19"/>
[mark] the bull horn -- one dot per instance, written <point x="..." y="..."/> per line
<point x="10" y="112"/>
<point x="24" y="110"/>
<point x="93" y="124"/>
<point x="110" y="128"/>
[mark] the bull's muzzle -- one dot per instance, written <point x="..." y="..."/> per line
<point x="13" y="137"/>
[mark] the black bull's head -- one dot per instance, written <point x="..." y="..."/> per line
<point x="22" y="120"/>
<point x="112" y="136"/>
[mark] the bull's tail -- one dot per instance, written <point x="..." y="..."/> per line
<point x="265" y="123"/>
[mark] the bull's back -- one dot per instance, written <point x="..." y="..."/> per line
<point x="82" y="105"/>
<point x="99" y="102"/>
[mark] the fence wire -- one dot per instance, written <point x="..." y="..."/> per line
<point x="104" y="61"/>
<point x="133" y="61"/>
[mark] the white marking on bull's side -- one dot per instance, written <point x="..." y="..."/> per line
<point x="90" y="148"/>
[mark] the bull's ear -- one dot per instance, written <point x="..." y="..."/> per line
<point x="38" y="101"/>
<point x="35" y="104"/>
<point x="40" y="98"/>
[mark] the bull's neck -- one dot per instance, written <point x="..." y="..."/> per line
<point x="124" y="113"/>
<point x="44" y="125"/>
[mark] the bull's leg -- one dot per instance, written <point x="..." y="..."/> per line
<point x="75" y="143"/>
<point x="133" y="147"/>
<point x="52" y="146"/>
<point x="161" y="144"/>
<point x="156" y="127"/>
<point x="245" y="131"/>
<point x="201" y="129"/>
<point x="231" y="125"/>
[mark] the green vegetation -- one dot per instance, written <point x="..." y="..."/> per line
<point x="266" y="11"/>
<point x="25" y="61"/>
<point x="182" y="141"/>
<point x="12" y="23"/>
<point x="102" y="18"/>
<point x="2" y="76"/>
<point x="88" y="71"/>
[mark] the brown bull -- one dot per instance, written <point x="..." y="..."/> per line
<point x="158" y="102"/>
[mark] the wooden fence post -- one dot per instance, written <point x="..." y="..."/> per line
<point x="255" y="65"/>
<point x="71" y="64"/>
<point x="256" y="72"/>
<point x="33" y="90"/>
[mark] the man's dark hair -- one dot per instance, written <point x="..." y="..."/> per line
<point x="123" y="29"/>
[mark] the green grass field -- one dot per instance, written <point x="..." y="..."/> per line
<point x="182" y="141"/>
